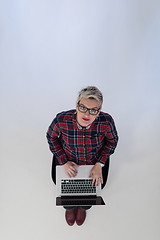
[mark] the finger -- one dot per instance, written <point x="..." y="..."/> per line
<point x="100" y="180"/>
<point x="68" y="173"/>
<point x="73" y="169"/>
<point x="72" y="173"/>
<point x="94" y="182"/>
<point x="97" y="182"/>
<point x="91" y="174"/>
<point x="75" y="164"/>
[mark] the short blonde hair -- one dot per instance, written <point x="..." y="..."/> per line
<point x="91" y="92"/>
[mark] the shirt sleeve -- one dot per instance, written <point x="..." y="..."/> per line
<point x="110" y="143"/>
<point x="55" y="146"/>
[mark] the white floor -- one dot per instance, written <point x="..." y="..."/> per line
<point x="49" y="50"/>
<point x="28" y="208"/>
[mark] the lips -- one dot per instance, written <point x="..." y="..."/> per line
<point x="85" y="119"/>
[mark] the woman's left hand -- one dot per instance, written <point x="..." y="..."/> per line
<point x="96" y="174"/>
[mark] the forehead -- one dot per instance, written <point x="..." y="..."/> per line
<point x="90" y="103"/>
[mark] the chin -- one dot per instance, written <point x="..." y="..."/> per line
<point x="85" y="124"/>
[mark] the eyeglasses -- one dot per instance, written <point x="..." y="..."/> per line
<point x="84" y="109"/>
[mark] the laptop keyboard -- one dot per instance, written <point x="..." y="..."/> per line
<point x="77" y="186"/>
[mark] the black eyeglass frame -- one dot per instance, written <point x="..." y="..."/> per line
<point x="88" y="109"/>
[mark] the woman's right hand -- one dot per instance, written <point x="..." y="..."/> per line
<point x="69" y="168"/>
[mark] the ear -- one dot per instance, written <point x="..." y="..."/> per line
<point x="76" y="110"/>
<point x="98" y="114"/>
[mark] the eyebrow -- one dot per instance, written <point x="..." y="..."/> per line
<point x="96" y="108"/>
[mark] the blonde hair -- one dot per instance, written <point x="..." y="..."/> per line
<point x="91" y="92"/>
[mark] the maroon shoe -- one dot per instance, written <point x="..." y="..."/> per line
<point x="70" y="216"/>
<point x="80" y="216"/>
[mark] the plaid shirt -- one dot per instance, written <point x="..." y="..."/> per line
<point x="68" y="141"/>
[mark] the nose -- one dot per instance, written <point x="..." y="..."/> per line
<point x="87" y="113"/>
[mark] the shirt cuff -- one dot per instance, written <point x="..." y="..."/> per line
<point x="102" y="164"/>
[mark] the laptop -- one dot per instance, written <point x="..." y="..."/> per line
<point x="78" y="190"/>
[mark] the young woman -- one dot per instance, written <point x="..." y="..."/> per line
<point x="84" y="135"/>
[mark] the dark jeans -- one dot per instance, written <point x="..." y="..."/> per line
<point x="105" y="170"/>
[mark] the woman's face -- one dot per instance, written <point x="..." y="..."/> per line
<point x="85" y="119"/>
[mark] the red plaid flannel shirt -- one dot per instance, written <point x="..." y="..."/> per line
<point x="68" y="141"/>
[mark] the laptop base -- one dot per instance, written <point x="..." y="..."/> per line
<point x="79" y="201"/>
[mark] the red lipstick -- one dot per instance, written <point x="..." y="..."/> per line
<point x="86" y="119"/>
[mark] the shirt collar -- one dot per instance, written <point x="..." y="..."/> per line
<point x="80" y="127"/>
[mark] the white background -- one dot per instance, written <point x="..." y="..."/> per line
<point x="49" y="50"/>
